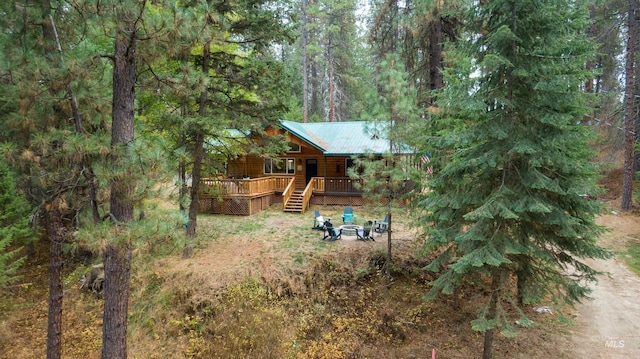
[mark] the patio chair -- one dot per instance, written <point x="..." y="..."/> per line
<point x="381" y="227"/>
<point x="367" y="232"/>
<point x="347" y="217"/>
<point x="318" y="220"/>
<point x="331" y="232"/>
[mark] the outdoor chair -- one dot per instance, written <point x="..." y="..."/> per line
<point x="367" y="232"/>
<point x="318" y="220"/>
<point x="331" y="232"/>
<point x="347" y="217"/>
<point x="381" y="227"/>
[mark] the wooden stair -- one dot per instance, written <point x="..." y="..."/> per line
<point x="295" y="202"/>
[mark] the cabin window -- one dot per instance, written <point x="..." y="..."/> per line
<point x="279" y="166"/>
<point x="294" y="147"/>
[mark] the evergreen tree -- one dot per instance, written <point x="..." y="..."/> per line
<point x="512" y="161"/>
<point x="630" y="117"/>
<point x="220" y="73"/>
<point x="384" y="179"/>
<point x="49" y="138"/>
<point x="416" y="30"/>
<point x="331" y="66"/>
<point x="14" y="225"/>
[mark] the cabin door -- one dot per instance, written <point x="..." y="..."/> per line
<point x="311" y="169"/>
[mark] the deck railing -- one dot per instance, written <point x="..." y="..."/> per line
<point x="240" y="187"/>
<point x="340" y="185"/>
<point x="315" y="185"/>
<point x="263" y="186"/>
<point x="246" y="187"/>
<point x="286" y="195"/>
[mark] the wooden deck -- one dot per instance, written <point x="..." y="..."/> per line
<point x="248" y="196"/>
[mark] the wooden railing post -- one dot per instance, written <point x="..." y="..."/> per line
<point x="288" y="191"/>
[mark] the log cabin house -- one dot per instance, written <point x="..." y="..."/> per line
<point x="313" y="171"/>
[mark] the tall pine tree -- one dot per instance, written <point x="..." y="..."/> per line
<point x="512" y="161"/>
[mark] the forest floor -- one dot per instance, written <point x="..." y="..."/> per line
<point x="605" y="326"/>
<point x="608" y="326"/>
<point x="327" y="303"/>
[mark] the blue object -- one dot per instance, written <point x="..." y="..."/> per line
<point x="347" y="217"/>
<point x="185" y="220"/>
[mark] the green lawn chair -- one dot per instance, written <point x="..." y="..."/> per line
<point x="318" y="220"/>
<point x="367" y="232"/>
<point x="381" y="227"/>
<point x="330" y="232"/>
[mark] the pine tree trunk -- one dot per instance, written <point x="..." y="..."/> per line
<point x="435" y="53"/>
<point x="198" y="156"/>
<point x="182" y="165"/>
<point x="55" y="232"/>
<point x="195" y="197"/>
<point x="456" y="298"/>
<point x="387" y="265"/>
<point x="305" y="65"/>
<point x="182" y="192"/>
<point x="93" y="197"/>
<point x="588" y="84"/>
<point x="117" y="257"/>
<point x="117" y="272"/>
<point x="54" y="226"/>
<point x="496" y="281"/>
<point x="520" y="288"/>
<point x="629" y="118"/>
<point x="636" y="104"/>
<point x="332" y="95"/>
<point x="316" y="98"/>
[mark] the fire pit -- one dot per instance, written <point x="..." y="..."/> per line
<point x="350" y="229"/>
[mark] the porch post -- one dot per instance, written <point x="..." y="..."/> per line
<point x="324" y="197"/>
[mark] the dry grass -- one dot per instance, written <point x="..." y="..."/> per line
<point x="266" y="286"/>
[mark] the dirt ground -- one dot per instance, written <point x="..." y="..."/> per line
<point x="606" y="327"/>
<point x="609" y="325"/>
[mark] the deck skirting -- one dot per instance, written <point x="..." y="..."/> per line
<point x="238" y="205"/>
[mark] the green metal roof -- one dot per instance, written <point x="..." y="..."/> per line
<point x="342" y="138"/>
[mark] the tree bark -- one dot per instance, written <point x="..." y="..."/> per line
<point x="435" y="53"/>
<point x="521" y="277"/>
<point x="387" y="266"/>
<point x="332" y="95"/>
<point x="117" y="272"/>
<point x="117" y="256"/>
<point x="316" y="96"/>
<point x="305" y="65"/>
<point x="629" y="118"/>
<point x="182" y="164"/>
<point x="636" y="104"/>
<point x="198" y="155"/>
<point x="55" y="231"/>
<point x="489" y="335"/>
<point x="588" y="84"/>
<point x="54" y="224"/>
